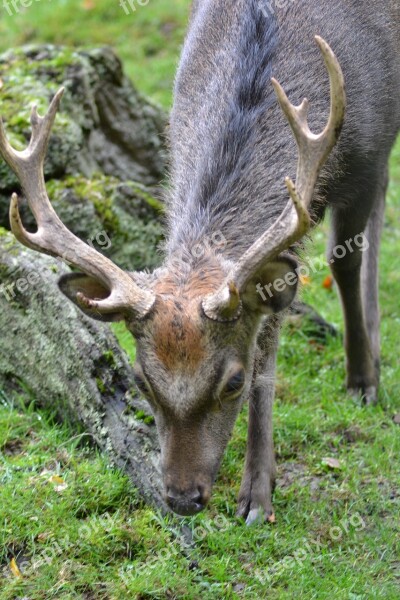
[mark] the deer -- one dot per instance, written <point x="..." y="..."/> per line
<point x="246" y="164"/>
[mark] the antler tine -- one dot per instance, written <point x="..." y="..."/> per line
<point x="52" y="237"/>
<point x="314" y="150"/>
<point x="41" y="130"/>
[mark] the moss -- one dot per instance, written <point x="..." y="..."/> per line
<point x="31" y="76"/>
<point x="100" y="385"/>
<point x="142" y="193"/>
<point x="119" y="219"/>
<point x="110" y="359"/>
<point x="140" y="415"/>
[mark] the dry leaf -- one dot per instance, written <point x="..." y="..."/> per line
<point x="14" y="568"/>
<point x="328" y="282"/>
<point x="332" y="463"/>
<point x="271" y="518"/>
<point x="61" y="485"/>
<point x="396" y="419"/>
<point x="56" y="479"/>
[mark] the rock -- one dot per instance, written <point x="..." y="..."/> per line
<point x="106" y="155"/>
<point x="86" y="379"/>
<point x="104" y="124"/>
<point x="121" y="219"/>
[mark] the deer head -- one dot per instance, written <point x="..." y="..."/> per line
<point x="195" y="328"/>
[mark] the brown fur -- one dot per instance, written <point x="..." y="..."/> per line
<point x="178" y="338"/>
<point x="178" y="330"/>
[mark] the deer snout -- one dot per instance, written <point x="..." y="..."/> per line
<point x="186" y="502"/>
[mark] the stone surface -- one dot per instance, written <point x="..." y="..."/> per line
<point x="53" y="354"/>
<point x="103" y="169"/>
<point x="106" y="156"/>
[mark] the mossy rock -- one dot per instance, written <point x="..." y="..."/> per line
<point x="120" y="219"/>
<point x="104" y="124"/>
<point x="54" y="355"/>
<point x="106" y="156"/>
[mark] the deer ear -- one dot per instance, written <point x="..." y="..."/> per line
<point x="273" y="288"/>
<point x="90" y="287"/>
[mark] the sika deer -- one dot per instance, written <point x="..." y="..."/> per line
<point x="205" y="326"/>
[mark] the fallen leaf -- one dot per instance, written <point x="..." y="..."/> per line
<point x="60" y="481"/>
<point x="271" y="518"/>
<point x="328" y="282"/>
<point x="56" y="479"/>
<point x="396" y="419"/>
<point x="15" y="569"/>
<point x="316" y="345"/>
<point x="332" y="463"/>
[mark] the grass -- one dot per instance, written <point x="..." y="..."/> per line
<point x="71" y="527"/>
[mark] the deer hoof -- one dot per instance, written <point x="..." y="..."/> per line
<point x="258" y="516"/>
<point x="368" y="395"/>
<point x="255" y="514"/>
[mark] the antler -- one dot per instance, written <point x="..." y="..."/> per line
<point x="294" y="222"/>
<point x="52" y="236"/>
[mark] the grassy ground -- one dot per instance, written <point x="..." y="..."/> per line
<point x="72" y="527"/>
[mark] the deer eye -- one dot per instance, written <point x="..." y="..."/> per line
<point x="235" y="384"/>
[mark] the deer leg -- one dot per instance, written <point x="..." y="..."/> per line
<point x="370" y="273"/>
<point x="346" y="256"/>
<point x="255" y="496"/>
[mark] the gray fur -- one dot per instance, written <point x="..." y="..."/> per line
<point x="240" y="188"/>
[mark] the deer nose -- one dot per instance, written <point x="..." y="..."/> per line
<point x="185" y="503"/>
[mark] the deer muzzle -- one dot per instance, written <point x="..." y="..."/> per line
<point x="186" y="502"/>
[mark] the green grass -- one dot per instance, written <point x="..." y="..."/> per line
<point x="87" y="536"/>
